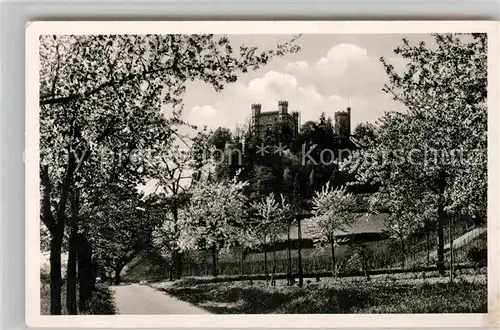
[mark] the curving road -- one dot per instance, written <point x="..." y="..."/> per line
<point x="144" y="300"/>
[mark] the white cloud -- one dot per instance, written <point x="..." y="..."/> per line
<point x="345" y="71"/>
<point x="310" y="93"/>
<point x="297" y="67"/>
<point x="202" y="115"/>
<point x="275" y="82"/>
<point x="205" y="111"/>
<point x="340" y="55"/>
<point x="233" y="105"/>
<point x="275" y="86"/>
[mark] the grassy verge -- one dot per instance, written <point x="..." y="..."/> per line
<point x="102" y="302"/>
<point x="337" y="297"/>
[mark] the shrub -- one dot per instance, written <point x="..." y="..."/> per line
<point x="361" y="259"/>
<point x="102" y="303"/>
<point x="478" y="254"/>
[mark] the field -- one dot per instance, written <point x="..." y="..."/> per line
<point x="409" y="293"/>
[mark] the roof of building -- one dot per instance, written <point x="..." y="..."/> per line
<point x="365" y="224"/>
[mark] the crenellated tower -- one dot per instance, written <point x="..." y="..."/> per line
<point x="343" y="123"/>
<point x="256" y="110"/>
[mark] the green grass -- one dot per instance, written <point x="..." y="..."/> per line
<point x="336" y="297"/>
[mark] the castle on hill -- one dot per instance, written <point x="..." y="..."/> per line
<point x="262" y="121"/>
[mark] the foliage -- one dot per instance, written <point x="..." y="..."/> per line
<point x="445" y="132"/>
<point x="220" y="138"/>
<point x="406" y="215"/>
<point x="478" y="254"/>
<point x="102" y="302"/>
<point x="332" y="213"/>
<point x="121" y="230"/>
<point x="214" y="216"/>
<point x="364" y="134"/>
<point x="444" y="90"/>
<point x="272" y="216"/>
<point x="361" y="258"/>
<point x="165" y="238"/>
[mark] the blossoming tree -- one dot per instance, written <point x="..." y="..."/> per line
<point x="437" y="145"/>
<point x="332" y="214"/>
<point x="273" y="218"/>
<point x="214" y="217"/>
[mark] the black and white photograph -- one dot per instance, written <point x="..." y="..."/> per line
<point x="222" y="171"/>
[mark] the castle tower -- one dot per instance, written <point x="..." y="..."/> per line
<point x="343" y="123"/>
<point x="256" y="109"/>
<point x="283" y="107"/>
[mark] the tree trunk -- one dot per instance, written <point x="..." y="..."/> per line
<point x="55" y="273"/>
<point x="440" y="225"/>
<point x="214" y="261"/>
<point x="333" y="257"/>
<point x="242" y="260"/>
<point x="71" y="272"/>
<point x="85" y="273"/>
<point x="299" y="236"/>
<point x="178" y="264"/>
<point x="440" y="237"/>
<point x="57" y="231"/>
<point x="402" y="248"/>
<point x="289" y="256"/>
<point x="273" y="276"/>
<point x="266" y="272"/>
<point x="427" y="243"/>
<point x="118" y="270"/>
<point x="171" y="272"/>
<point x="451" y="248"/>
<point x="176" y="254"/>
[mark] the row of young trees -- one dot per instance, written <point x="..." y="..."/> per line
<point x="218" y="216"/>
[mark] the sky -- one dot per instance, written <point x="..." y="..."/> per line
<point x="328" y="74"/>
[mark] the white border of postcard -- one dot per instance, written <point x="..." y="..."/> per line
<point x="33" y="317"/>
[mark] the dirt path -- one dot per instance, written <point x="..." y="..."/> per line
<point x="143" y="300"/>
